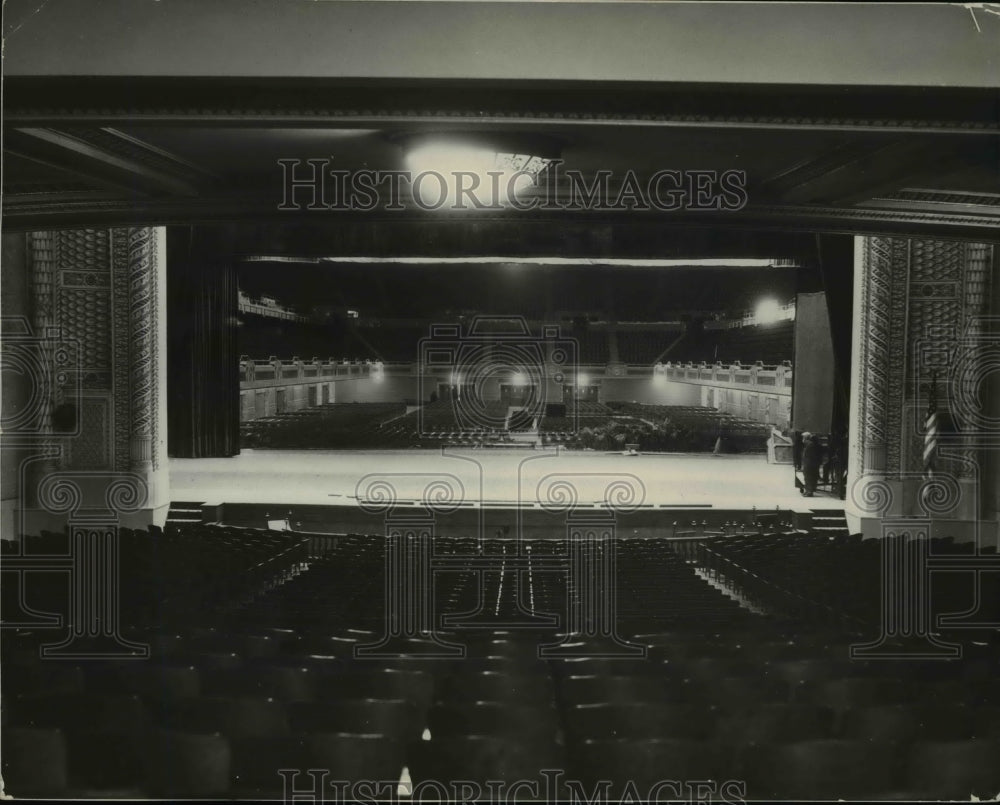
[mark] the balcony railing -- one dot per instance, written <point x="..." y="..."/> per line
<point x="732" y="374"/>
<point x="275" y="370"/>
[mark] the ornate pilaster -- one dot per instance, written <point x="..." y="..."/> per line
<point x="95" y="307"/>
<point x="919" y="324"/>
<point x="875" y="321"/>
<point x="934" y="318"/>
<point x="143" y="369"/>
<point x="42" y="264"/>
<point x="980" y="340"/>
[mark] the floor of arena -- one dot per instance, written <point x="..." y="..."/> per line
<point x="491" y="476"/>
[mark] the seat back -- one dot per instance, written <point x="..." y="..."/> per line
<point x="595" y="689"/>
<point x="954" y="770"/>
<point x="495" y="686"/>
<point x="396" y="718"/>
<point x="178" y="764"/>
<point x="483" y="758"/>
<point x="232" y="717"/>
<point x="501" y="719"/>
<point x="352" y="757"/>
<point x="639" y="720"/>
<point x="646" y="765"/>
<point x="34" y="761"/>
<point x="823" y="769"/>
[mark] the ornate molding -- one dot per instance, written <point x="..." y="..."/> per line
<point x="364" y="103"/>
<point x="38" y="213"/>
<point x="369" y="117"/>
<point x="990" y="201"/>
<point x="122" y="145"/>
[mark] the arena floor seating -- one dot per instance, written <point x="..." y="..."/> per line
<point x="442" y="422"/>
<point x="252" y="671"/>
<point x="332" y="425"/>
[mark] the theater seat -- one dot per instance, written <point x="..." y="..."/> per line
<point x="646" y="763"/>
<point x="736" y="694"/>
<point x="824" y="769"/>
<point x="600" y="689"/>
<point x="232" y="717"/>
<point x="605" y="666"/>
<point x="496" y="687"/>
<point x="256" y="763"/>
<point x="177" y="764"/>
<point x="34" y="762"/>
<point x="954" y="770"/>
<point x="852" y="692"/>
<point x="395" y="718"/>
<point x="635" y="720"/>
<point x="77" y="711"/>
<point x="493" y="718"/>
<point x="353" y="757"/>
<point x="480" y="758"/>
<point x="286" y="683"/>
<point x="106" y="764"/>
<point x="383" y="683"/>
<point x="154" y="682"/>
<point x="892" y="723"/>
<point x="42" y="677"/>
<point x="769" y="723"/>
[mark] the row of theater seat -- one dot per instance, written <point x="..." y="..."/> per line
<point x="792" y="569"/>
<point x="771" y="705"/>
<point x="531" y="712"/>
<point x="704" y="425"/>
<point x="164" y="577"/>
<point x="385" y="426"/>
<point x="330" y="425"/>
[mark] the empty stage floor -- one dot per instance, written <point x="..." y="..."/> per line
<point x="490" y="476"/>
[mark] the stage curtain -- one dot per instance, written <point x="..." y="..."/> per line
<point x="835" y="255"/>
<point x="203" y="360"/>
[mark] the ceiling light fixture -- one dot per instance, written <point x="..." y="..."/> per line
<point x="472" y="171"/>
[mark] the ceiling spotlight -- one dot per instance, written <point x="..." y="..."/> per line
<point x="471" y="171"/>
<point x="768" y="311"/>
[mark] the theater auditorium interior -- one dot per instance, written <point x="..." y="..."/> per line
<point x="670" y="470"/>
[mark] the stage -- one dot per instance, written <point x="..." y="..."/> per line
<point x="653" y="491"/>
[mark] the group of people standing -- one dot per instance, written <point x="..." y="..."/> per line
<point x="820" y="461"/>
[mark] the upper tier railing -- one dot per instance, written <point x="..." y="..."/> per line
<point x="275" y="370"/>
<point x="757" y="374"/>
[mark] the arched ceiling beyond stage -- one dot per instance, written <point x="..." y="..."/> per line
<point x="841" y="118"/>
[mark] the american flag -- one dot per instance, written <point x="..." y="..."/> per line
<point x="931" y="429"/>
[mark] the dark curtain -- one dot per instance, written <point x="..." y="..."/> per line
<point x="203" y="360"/>
<point x="835" y="255"/>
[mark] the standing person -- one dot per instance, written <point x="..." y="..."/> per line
<point x="812" y="459"/>
<point x="798" y="440"/>
<point x="720" y="437"/>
